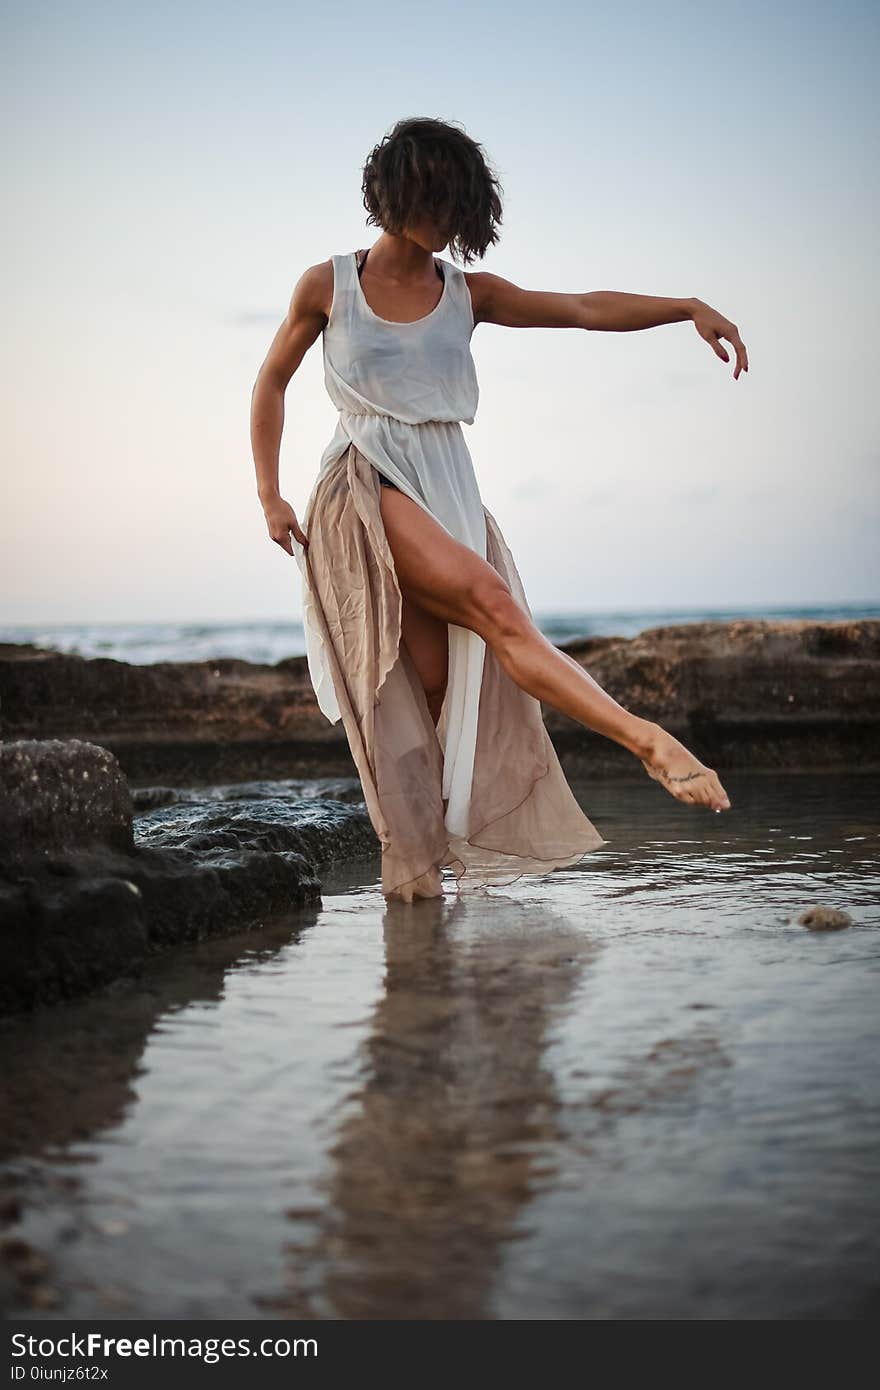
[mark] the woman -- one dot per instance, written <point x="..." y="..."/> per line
<point x="420" y="637"/>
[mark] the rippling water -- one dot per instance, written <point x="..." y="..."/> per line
<point x="635" y="1088"/>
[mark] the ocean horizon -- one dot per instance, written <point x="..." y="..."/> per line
<point x="267" y="642"/>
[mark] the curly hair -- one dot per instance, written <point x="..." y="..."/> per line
<point x="430" y="168"/>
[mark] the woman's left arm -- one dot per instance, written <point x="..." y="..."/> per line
<point x="496" y="300"/>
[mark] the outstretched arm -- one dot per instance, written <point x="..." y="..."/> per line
<point x="496" y="300"/>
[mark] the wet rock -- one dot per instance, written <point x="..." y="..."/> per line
<point x="44" y="1296"/>
<point x="824" y="919"/>
<point x="58" y="794"/>
<point x="10" y="1208"/>
<point x="84" y="900"/>
<point x="182" y="720"/>
<point x="744" y="694"/>
<point x="24" y="1273"/>
<point x="299" y="788"/>
<point x="29" y="1264"/>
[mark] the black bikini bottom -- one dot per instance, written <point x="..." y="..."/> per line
<point x="386" y="482"/>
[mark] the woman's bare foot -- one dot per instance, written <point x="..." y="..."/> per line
<point x="683" y="775"/>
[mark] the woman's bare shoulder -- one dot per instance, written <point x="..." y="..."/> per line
<point x="478" y="282"/>
<point x="313" y="291"/>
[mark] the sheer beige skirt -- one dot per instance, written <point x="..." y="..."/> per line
<point x="523" y="816"/>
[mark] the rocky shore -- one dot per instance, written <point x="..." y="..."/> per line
<point x="745" y="693"/>
<point x="147" y="805"/>
<point x="94" y="877"/>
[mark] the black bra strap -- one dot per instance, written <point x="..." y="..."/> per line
<point x="364" y="262"/>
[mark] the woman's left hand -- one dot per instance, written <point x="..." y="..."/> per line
<point x="711" y="325"/>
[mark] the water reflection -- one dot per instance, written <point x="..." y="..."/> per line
<point x="452" y="1128"/>
<point x="635" y="1088"/>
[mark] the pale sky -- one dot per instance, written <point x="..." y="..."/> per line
<point x="172" y="169"/>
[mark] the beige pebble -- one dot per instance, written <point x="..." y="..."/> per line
<point x="824" y="919"/>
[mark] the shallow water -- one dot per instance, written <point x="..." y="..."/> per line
<point x="635" y="1088"/>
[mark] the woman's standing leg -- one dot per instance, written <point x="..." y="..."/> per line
<point x="427" y="640"/>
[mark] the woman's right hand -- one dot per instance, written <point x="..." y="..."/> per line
<point x="281" y="520"/>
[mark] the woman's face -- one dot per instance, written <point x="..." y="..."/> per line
<point x="426" y="233"/>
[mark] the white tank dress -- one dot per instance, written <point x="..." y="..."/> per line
<point x="403" y="391"/>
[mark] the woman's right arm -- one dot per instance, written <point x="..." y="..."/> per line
<point x="305" y="321"/>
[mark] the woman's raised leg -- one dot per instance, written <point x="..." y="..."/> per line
<point x="448" y="580"/>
